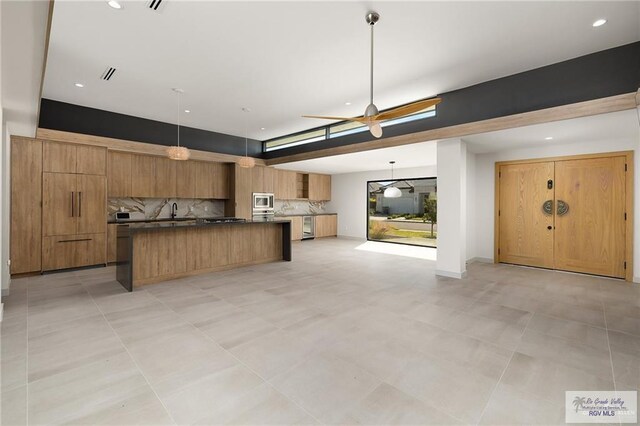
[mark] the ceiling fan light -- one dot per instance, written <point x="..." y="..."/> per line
<point x="375" y="129"/>
<point x="392" y="192"/>
<point x="178" y="153"/>
<point x="246" y="162"/>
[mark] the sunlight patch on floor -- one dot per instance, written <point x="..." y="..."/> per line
<point x="427" y="253"/>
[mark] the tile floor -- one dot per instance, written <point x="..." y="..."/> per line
<point x="338" y="336"/>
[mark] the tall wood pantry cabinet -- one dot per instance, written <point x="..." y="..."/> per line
<point x="74" y="205"/>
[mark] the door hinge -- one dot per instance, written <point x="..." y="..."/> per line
<point x="625" y="265"/>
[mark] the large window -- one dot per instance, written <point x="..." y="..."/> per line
<point x="408" y="219"/>
<point x="337" y="130"/>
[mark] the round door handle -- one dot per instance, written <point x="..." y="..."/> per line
<point x="549" y="227"/>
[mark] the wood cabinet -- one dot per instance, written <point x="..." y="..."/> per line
<point x="319" y="187"/>
<point x="92" y="204"/>
<point x="70" y="158"/>
<point x="296" y="227"/>
<point x="165" y="177"/>
<point x="75" y="204"/>
<point x="220" y="181"/>
<point x="26" y="207"/>
<point x="326" y="226"/>
<point x="240" y="197"/>
<point x="262" y="179"/>
<point x="143" y="176"/>
<point x="286" y="188"/>
<point x="60" y="202"/>
<point x="185" y="179"/>
<point x="73" y="230"/>
<point x="119" y="174"/>
<point x="112" y="242"/>
<point x="72" y="251"/>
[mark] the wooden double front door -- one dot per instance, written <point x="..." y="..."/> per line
<point x="569" y="214"/>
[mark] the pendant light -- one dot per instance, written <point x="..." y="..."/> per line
<point x="246" y="162"/>
<point x="178" y="152"/>
<point x="392" y="191"/>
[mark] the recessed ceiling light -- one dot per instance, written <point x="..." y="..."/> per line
<point x="548" y="138"/>
<point x="114" y="4"/>
<point x="263" y="128"/>
<point x="600" y="22"/>
<point x="187" y="111"/>
<point x="347" y="103"/>
<point x="79" y="85"/>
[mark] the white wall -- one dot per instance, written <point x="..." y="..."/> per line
<point x="481" y="193"/>
<point x="349" y="196"/>
<point x="452" y="208"/>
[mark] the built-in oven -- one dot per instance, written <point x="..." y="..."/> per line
<point x="308" y="227"/>
<point x="263" y="203"/>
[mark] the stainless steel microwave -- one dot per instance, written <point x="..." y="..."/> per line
<point x="263" y="203"/>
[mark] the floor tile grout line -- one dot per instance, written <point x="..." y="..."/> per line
<point x="131" y="356"/>
<point x="505" y="369"/>
<point x="27" y="356"/>
<point x="613" y="373"/>
<point x="237" y="359"/>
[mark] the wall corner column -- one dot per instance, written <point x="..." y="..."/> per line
<point x="452" y="208"/>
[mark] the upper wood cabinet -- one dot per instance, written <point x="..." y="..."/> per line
<point x="119" y="174"/>
<point x="165" y="178"/>
<point x="185" y="179"/>
<point x="143" y="176"/>
<point x="146" y="176"/>
<point x="26" y="207"/>
<point x="319" y="187"/>
<point x="221" y="180"/>
<point x="91" y="160"/>
<point x="263" y="179"/>
<point x="205" y="179"/>
<point x="70" y="158"/>
<point x="286" y="188"/>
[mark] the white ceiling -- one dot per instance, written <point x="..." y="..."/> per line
<point x="612" y="126"/>
<point x="623" y="125"/>
<point x="407" y="156"/>
<point x="284" y="59"/>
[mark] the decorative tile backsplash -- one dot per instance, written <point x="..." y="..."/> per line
<point x="290" y="207"/>
<point x="158" y="208"/>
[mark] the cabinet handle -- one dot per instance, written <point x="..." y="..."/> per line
<point x="73" y="241"/>
<point x="72" y="209"/>
<point x="79" y="204"/>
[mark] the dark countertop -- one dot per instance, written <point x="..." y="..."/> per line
<point x="306" y="214"/>
<point x="150" y="226"/>
<point x="163" y="219"/>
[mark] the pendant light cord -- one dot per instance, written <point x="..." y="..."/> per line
<point x="371" y="75"/>
<point x="179" y="95"/>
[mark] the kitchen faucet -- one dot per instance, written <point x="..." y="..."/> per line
<point x="174" y="210"/>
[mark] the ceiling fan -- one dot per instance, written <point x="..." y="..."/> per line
<point x="372" y="117"/>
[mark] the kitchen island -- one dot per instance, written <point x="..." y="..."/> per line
<point x="148" y="253"/>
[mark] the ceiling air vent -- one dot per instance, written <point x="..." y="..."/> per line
<point x="156" y="5"/>
<point x="108" y="73"/>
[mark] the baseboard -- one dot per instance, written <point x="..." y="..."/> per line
<point x="480" y="260"/>
<point x="449" y="274"/>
